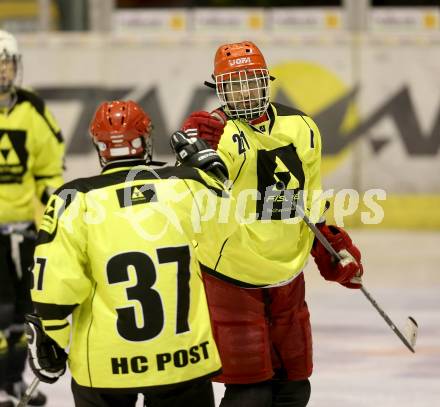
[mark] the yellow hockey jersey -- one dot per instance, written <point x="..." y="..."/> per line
<point x="31" y="156"/>
<point x="118" y="250"/>
<point x="273" y="165"/>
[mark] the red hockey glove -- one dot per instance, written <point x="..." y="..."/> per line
<point x="347" y="271"/>
<point x="209" y="126"/>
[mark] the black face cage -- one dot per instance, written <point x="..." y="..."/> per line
<point x="244" y="94"/>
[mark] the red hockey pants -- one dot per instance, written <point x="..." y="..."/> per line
<point x="260" y="332"/>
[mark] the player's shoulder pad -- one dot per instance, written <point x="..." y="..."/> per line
<point x="56" y="206"/>
<point x="212" y="183"/>
<point x="71" y="187"/>
<point x="283" y="110"/>
<point x="85" y="185"/>
<point x="194" y="174"/>
<point x="26" y="95"/>
<point x="66" y="194"/>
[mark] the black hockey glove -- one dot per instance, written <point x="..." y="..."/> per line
<point x="196" y="152"/>
<point x="46" y="358"/>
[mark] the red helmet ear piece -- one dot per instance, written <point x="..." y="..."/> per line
<point x="120" y="129"/>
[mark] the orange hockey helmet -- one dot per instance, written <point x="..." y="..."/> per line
<point x="238" y="56"/>
<point x="121" y="129"/>
<point x="242" y="80"/>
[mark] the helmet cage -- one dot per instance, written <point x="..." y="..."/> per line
<point x="8" y="81"/>
<point x="245" y="93"/>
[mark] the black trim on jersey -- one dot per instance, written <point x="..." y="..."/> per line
<point x="271" y="115"/>
<point x="38" y="103"/>
<point x="53" y="311"/>
<point x="194" y="198"/>
<point x="220" y="254"/>
<point x="85" y="185"/>
<point x="88" y="335"/>
<point x="227" y="279"/>
<point x="283" y="110"/>
<point x="244" y="154"/>
<point x="163" y="387"/>
<point x="239" y="170"/>
<point x="128" y="162"/>
<point x="40" y="177"/>
<point x="55" y="327"/>
<point x="44" y="198"/>
<point x="67" y="195"/>
<point x="312" y="134"/>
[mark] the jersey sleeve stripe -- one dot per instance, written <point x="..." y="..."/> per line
<point x="41" y="177"/>
<point x="53" y="311"/>
<point x="56" y="327"/>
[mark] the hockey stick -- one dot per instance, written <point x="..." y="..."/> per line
<point x="28" y="393"/>
<point x="411" y="326"/>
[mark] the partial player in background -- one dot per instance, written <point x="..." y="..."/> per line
<point x="120" y="252"/>
<point x="31" y="165"/>
<point x="274" y="151"/>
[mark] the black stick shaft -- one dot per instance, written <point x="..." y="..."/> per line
<point x="387" y="319"/>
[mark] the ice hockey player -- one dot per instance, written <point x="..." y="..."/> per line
<point x="119" y="251"/>
<point x="31" y="165"/>
<point x="264" y="334"/>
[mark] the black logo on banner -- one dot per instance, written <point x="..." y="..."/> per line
<point x="13" y="156"/>
<point x="399" y="107"/>
<point x="136" y="195"/>
<point x="280" y="180"/>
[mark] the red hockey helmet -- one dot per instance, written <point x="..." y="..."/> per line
<point x="242" y="80"/>
<point x="120" y="129"/>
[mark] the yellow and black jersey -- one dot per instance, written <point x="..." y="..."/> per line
<point x="273" y="165"/>
<point x="118" y="250"/>
<point x="31" y="156"/>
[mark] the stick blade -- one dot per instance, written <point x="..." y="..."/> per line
<point x="411" y="331"/>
